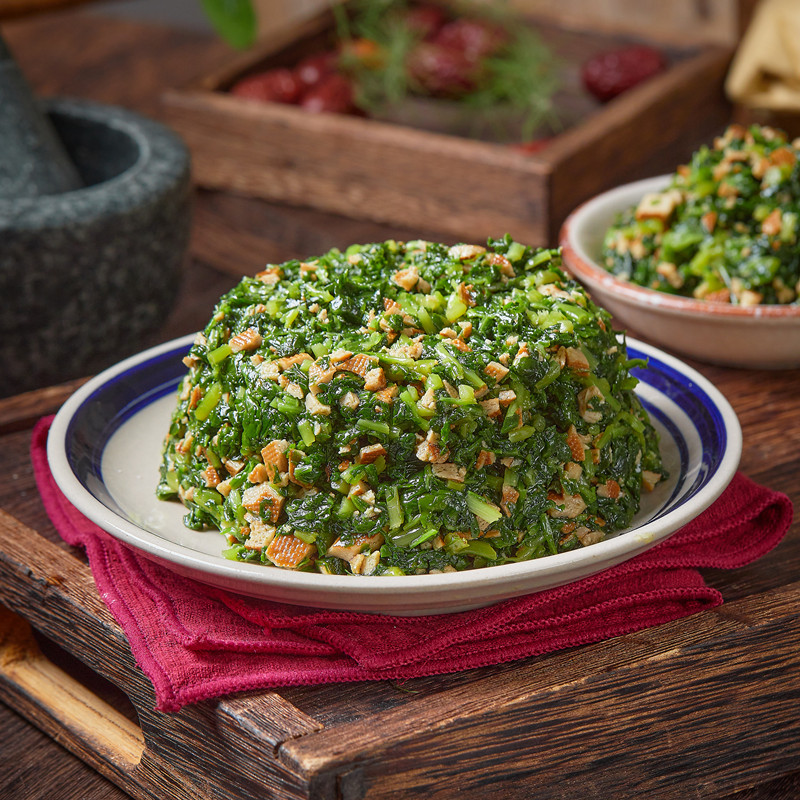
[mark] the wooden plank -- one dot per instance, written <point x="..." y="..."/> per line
<point x="558" y="735"/>
<point x="463" y="188"/>
<point x="55" y="593"/>
<point x="70" y="707"/>
<point x="384" y="756"/>
<point x="673" y="22"/>
<point x="348" y="165"/>
<point x="22" y="410"/>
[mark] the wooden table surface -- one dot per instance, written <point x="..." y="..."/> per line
<point x="83" y="54"/>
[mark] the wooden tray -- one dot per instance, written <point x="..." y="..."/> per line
<point x="421" y="179"/>
<point x="703" y="707"/>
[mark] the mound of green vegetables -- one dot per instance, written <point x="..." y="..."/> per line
<point x="403" y="408"/>
<point x="726" y="227"/>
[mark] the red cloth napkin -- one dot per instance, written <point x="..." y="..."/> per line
<point x="195" y="642"/>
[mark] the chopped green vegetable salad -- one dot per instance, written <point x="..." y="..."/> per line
<point x="403" y="408"/>
<point x="724" y="230"/>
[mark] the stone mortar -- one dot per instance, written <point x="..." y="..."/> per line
<point x="86" y="276"/>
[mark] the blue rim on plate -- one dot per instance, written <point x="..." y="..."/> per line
<point x="700" y="434"/>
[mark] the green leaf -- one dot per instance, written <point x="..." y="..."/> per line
<point x="234" y="20"/>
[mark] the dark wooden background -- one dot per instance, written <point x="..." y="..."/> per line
<point x="83" y="54"/>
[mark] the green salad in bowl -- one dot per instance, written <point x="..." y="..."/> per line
<point x="408" y="408"/>
<point x="724" y="229"/>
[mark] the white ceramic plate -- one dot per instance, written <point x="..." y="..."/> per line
<point x="104" y="450"/>
<point x="759" y="337"/>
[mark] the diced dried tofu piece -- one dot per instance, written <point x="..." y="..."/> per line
<point x="371" y="452"/>
<point x="391" y="306"/>
<point x="273" y="456"/>
<point x="650" y="479"/>
<point x="357" y="563"/>
<point x="507" y="397"/>
<point x="466" y="291"/>
<point x="585" y="397"/>
<point x="375" y="380"/>
<point x="211" y="477"/>
<point x="289" y="361"/>
<point x="339" y="355"/>
<point x="510" y="495"/>
<point x="269" y="370"/>
<point x="317" y="373"/>
<point x="491" y="407"/>
<point x="495" y="370"/>
<point x="270" y="276"/>
<point x="552" y="290"/>
<point x="349" y="401"/>
<point x="265" y="496"/>
<point x="567" y="506"/>
<point x="576" y="360"/>
<point x="576" y="444"/>
<point x="485" y="458"/>
<point x="709" y="220"/>
<point x="659" y="205"/>
<point x="313" y="406"/>
<point x="288" y="551"/>
<point x="260" y="536"/>
<point x="450" y="472"/>
<point x="246" y="340"/>
<point x="407" y="278"/>
<point x="499" y="260"/>
<point x="462" y="252"/>
<point x="233" y="466"/>
<point x="258" y="474"/>
<point x="428" y="400"/>
<point x="783" y="157"/>
<point x="388" y="394"/>
<point x="359" y="364"/>
<point x="429" y="450"/>
<point x="669" y="271"/>
<point x="295" y="390"/>
<point x="587" y="536"/>
<point x="750" y="298"/>
<point x="772" y="224"/>
<point x="610" y="489"/>
<point x="371" y="562"/>
<point x="361" y="542"/>
<point x="195" y="396"/>
<point x="522" y="352"/>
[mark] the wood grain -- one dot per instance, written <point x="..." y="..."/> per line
<point x="480" y="720"/>
<point x="703" y="707"/>
<point x="464" y="188"/>
<point x="56" y="594"/>
<point x="22" y="410"/>
<point x="66" y="707"/>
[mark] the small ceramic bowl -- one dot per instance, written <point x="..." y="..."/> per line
<point x="757" y="337"/>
